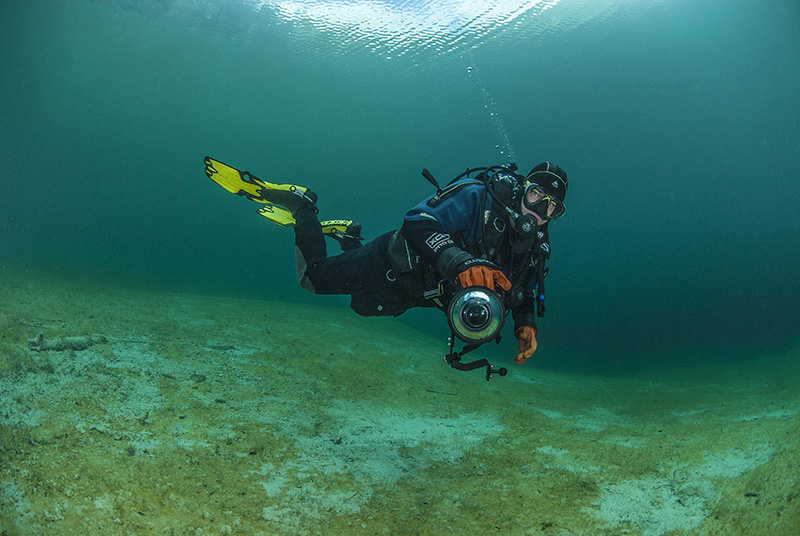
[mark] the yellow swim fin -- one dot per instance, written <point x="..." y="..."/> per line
<point x="346" y="232"/>
<point x="235" y="181"/>
<point x="279" y="215"/>
<point x="244" y="183"/>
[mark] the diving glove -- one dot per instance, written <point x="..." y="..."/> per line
<point x="483" y="275"/>
<point x="526" y="337"/>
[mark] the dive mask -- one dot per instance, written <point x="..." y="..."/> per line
<point x="540" y="202"/>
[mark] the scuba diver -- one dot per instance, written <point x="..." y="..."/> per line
<point x="475" y="249"/>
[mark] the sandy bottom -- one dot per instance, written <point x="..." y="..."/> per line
<point x="128" y="413"/>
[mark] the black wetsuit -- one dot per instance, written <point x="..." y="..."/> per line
<point x="416" y="266"/>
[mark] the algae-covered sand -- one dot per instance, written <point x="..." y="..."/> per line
<point x="178" y="414"/>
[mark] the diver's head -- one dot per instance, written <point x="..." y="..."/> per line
<point x="544" y="191"/>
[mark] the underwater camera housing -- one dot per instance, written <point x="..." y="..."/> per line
<point x="476" y="316"/>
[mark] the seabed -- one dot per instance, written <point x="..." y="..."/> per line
<point x="127" y="412"/>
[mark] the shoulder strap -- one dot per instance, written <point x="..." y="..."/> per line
<point x="451" y="188"/>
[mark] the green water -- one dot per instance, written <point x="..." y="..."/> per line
<point x="677" y="123"/>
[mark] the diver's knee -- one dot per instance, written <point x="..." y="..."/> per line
<point x="304" y="277"/>
<point x="306" y="284"/>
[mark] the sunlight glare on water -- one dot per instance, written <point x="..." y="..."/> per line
<point x="397" y="28"/>
<point x="410" y="27"/>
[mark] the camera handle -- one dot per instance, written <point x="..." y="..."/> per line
<point x="454" y="360"/>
